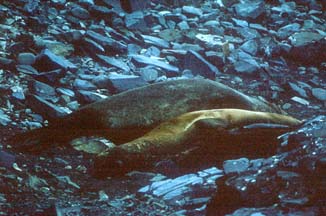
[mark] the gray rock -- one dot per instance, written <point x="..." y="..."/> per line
<point x="119" y="83"/>
<point x="217" y="58"/>
<point x="6" y="159"/>
<point x="308" y="48"/>
<point x="26" y="58"/>
<point x="110" y="44"/>
<point x="250" y="46"/>
<point x="43" y="90"/>
<point x="135" y="21"/>
<point x="92" y="47"/>
<point x="90" y="97"/>
<point x="18" y="92"/>
<point x="249" y="66"/>
<point x="47" y="61"/>
<point x="250" y="9"/>
<point x="47" y="109"/>
<point x="298" y="89"/>
<point x="319" y="93"/>
<point x="66" y="91"/>
<point x="27" y="69"/>
<point x="148" y="74"/>
<point x="144" y="60"/>
<point x="84" y="85"/>
<point x="116" y="62"/>
<point x="80" y="13"/>
<point x="4" y="118"/>
<point x="236" y="166"/>
<point x="155" y="41"/>
<point x="285" y="31"/>
<point x="192" y="11"/>
<point x="248" y="33"/>
<point x="200" y="66"/>
<point x="183" y="25"/>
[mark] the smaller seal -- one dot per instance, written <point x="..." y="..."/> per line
<point x="204" y="129"/>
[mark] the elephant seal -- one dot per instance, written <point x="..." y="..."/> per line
<point x="206" y="129"/>
<point x="128" y="115"/>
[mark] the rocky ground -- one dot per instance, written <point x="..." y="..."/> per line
<point x="58" y="55"/>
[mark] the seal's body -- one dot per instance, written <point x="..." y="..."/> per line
<point x="131" y="114"/>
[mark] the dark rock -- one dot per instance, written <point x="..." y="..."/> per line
<point x="134" y="5"/>
<point x="27" y="69"/>
<point x="45" y="108"/>
<point x="155" y="41"/>
<point x="136" y="21"/>
<point x="4" y="118"/>
<point x="144" y="60"/>
<point x="47" y="61"/>
<point x="200" y="66"/>
<point x="92" y="47"/>
<point x="43" y="90"/>
<point x="236" y="166"/>
<point x="250" y="9"/>
<point x="308" y="48"/>
<point x="26" y="58"/>
<point x="192" y="11"/>
<point x="90" y="97"/>
<point x="319" y="93"/>
<point x="217" y="58"/>
<point x="6" y="159"/>
<point x="50" y="76"/>
<point x="18" y="92"/>
<point x="285" y="31"/>
<point x="120" y="83"/>
<point x="250" y="46"/>
<point x="32" y="6"/>
<point x="6" y="63"/>
<point x="111" y="61"/>
<point x="110" y="44"/>
<point x="148" y="74"/>
<point x="84" y="85"/>
<point x="80" y="13"/>
<point x="101" y="12"/>
<point x="66" y="91"/>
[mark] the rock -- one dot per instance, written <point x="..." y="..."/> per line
<point x="18" y="92"/>
<point x="27" y="69"/>
<point x="246" y="64"/>
<point x="116" y="62"/>
<point x="236" y="166"/>
<point x="6" y="159"/>
<point x="155" y="41"/>
<point x="250" y="46"/>
<point x="84" y="85"/>
<point x="131" y="5"/>
<point x="120" y="83"/>
<point x="144" y="60"/>
<point x="250" y="10"/>
<point x="26" y="58"/>
<point x="47" y="61"/>
<point x="45" y="108"/>
<point x="319" y="93"/>
<point x="308" y="48"/>
<point x="199" y="66"/>
<point x="148" y="74"/>
<point x="110" y="45"/>
<point x="135" y="21"/>
<point x="4" y="118"/>
<point x="192" y="11"/>
<point x="285" y="31"/>
<point x="43" y="90"/>
<point x="91" y="97"/>
<point x="92" y="47"/>
<point x="300" y="100"/>
<point x="298" y="89"/>
<point x="80" y="13"/>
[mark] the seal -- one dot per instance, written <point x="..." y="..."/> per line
<point x="204" y="129"/>
<point x="128" y="115"/>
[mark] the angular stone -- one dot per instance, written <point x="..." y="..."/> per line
<point x="47" y="61"/>
<point x="4" y="118"/>
<point x="120" y="83"/>
<point x="84" y="85"/>
<point x="80" y="13"/>
<point x="200" y="66"/>
<point x="91" y="97"/>
<point x="151" y="61"/>
<point x="319" y="93"/>
<point x="148" y="74"/>
<point x="134" y="5"/>
<point x="236" y="166"/>
<point x="155" y="41"/>
<point x="111" y="61"/>
<point x="135" y="21"/>
<point x="250" y="46"/>
<point x="308" y="48"/>
<point x="250" y="9"/>
<point x="285" y="31"/>
<point x="26" y="58"/>
<point x="107" y="42"/>
<point x="43" y="90"/>
<point x="45" y="108"/>
<point x="192" y="11"/>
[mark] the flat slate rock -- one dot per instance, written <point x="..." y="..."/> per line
<point x="116" y="62"/>
<point x="155" y="62"/>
